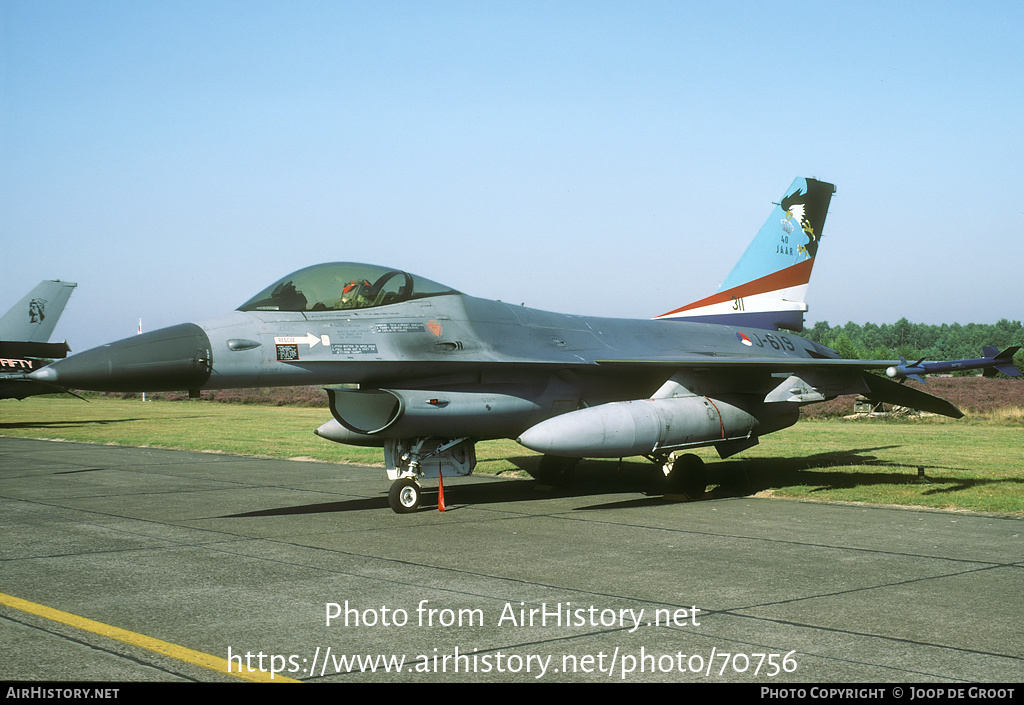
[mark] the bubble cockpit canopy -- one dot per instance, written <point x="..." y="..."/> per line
<point x="340" y="286"/>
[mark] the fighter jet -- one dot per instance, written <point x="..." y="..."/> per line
<point x="24" y="334"/>
<point x="432" y="370"/>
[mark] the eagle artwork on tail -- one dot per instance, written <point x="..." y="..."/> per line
<point x="796" y="207"/>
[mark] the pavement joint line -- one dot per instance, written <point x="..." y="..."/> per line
<point x="181" y="653"/>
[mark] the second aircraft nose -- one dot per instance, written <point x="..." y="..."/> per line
<point x="178" y="358"/>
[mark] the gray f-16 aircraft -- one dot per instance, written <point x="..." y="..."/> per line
<point x="436" y="370"/>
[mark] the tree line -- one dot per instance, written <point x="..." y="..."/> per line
<point x="949" y="341"/>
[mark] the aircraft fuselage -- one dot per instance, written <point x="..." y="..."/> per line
<point x="442" y="341"/>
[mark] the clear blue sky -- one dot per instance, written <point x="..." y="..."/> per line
<point x="605" y="158"/>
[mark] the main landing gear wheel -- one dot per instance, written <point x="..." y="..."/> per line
<point x="556" y="471"/>
<point x="688" y="476"/>
<point x="404" y="495"/>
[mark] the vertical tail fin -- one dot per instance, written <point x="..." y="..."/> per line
<point x="767" y="287"/>
<point x="33" y="319"/>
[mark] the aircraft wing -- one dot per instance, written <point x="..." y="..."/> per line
<point x="761" y="363"/>
<point x="812" y="379"/>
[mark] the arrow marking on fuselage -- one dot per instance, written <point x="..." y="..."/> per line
<point x="309" y="339"/>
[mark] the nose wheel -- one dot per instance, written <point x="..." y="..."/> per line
<point x="404" y="495"/>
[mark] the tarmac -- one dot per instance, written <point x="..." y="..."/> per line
<point x="137" y="564"/>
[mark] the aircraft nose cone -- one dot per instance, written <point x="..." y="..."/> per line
<point x="178" y="358"/>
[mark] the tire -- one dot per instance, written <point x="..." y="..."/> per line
<point x="688" y="476"/>
<point x="556" y="471"/>
<point x="404" y="496"/>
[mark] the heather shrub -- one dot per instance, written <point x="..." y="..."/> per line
<point x="975" y="396"/>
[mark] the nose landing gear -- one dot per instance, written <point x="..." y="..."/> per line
<point x="404" y="495"/>
<point x="409" y="460"/>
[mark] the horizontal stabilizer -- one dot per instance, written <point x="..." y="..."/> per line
<point x="21" y="349"/>
<point x="22" y="387"/>
<point x="894" y="393"/>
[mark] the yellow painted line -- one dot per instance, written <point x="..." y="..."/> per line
<point x="166" y="648"/>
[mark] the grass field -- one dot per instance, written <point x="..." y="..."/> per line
<point x="973" y="465"/>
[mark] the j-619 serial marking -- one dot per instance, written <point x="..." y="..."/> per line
<point x="778" y="342"/>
